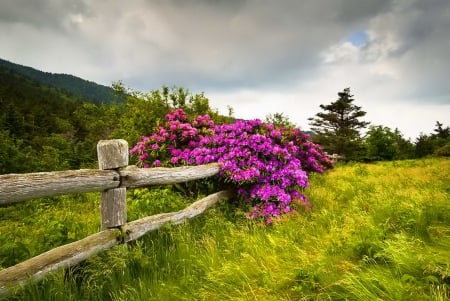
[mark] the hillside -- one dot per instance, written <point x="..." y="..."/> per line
<point x="25" y="101"/>
<point x="43" y="127"/>
<point x="64" y="83"/>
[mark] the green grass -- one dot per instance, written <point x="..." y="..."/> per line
<point x="33" y="227"/>
<point x="375" y="232"/>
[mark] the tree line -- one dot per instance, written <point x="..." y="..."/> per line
<point x="45" y="129"/>
<point x="42" y="128"/>
<point x="338" y="129"/>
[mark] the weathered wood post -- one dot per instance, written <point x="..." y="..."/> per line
<point x="113" y="154"/>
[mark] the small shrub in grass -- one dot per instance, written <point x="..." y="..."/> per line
<point x="268" y="165"/>
<point x="443" y="151"/>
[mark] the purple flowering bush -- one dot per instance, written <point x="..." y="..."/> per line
<point x="267" y="165"/>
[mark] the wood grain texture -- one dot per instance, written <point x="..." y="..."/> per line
<point x="112" y="153"/>
<point x="20" y="187"/>
<point x="113" y="208"/>
<point x="133" y="177"/>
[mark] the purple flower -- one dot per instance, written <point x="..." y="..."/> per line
<point x="267" y="164"/>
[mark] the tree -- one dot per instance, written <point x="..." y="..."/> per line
<point x="143" y="111"/>
<point x="424" y="145"/>
<point x="279" y="119"/>
<point x="13" y="122"/>
<point x="384" y="144"/>
<point x="406" y="147"/>
<point x="337" y="127"/>
<point x="434" y="144"/>
<point x="92" y="123"/>
<point x="441" y="132"/>
<point x="441" y="140"/>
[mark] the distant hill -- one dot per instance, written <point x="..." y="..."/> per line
<point x="44" y="127"/>
<point x="29" y="108"/>
<point x="65" y="83"/>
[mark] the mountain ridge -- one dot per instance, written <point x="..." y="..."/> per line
<point x="66" y="83"/>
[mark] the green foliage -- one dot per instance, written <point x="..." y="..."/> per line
<point x="424" y="145"/>
<point x="443" y="151"/>
<point x="433" y="144"/>
<point x="30" y="228"/>
<point x="144" y="111"/>
<point x="441" y="132"/>
<point x="36" y="125"/>
<point x="384" y="144"/>
<point x="43" y="128"/>
<point x="14" y="154"/>
<point x="92" y="123"/>
<point x="337" y="127"/>
<point x="279" y="119"/>
<point x="150" y="201"/>
<point x="375" y="232"/>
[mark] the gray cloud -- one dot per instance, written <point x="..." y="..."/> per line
<point x="351" y="11"/>
<point x="49" y="13"/>
<point x="227" y="43"/>
<point x="414" y="39"/>
<point x="241" y="49"/>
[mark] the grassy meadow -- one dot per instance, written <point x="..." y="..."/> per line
<point x="375" y="232"/>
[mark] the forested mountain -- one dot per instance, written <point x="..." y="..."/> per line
<point x="29" y="108"/>
<point x="45" y="128"/>
<point x="39" y="125"/>
<point x="65" y="83"/>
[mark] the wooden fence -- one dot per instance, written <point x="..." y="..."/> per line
<point x="112" y="180"/>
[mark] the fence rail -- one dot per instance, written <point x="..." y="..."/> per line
<point x="21" y="187"/>
<point x="112" y="180"/>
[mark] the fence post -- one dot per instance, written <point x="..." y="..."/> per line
<point x="113" y="154"/>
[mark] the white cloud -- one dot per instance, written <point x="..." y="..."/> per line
<point x="342" y="53"/>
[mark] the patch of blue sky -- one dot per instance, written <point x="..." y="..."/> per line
<point x="358" y="38"/>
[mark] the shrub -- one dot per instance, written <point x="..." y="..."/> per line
<point x="268" y="165"/>
<point x="443" y="151"/>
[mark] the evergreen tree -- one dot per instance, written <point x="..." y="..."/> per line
<point x="424" y="145"/>
<point x="406" y="147"/>
<point x="437" y="143"/>
<point x="14" y="122"/>
<point x="338" y="126"/>
<point x="441" y="132"/>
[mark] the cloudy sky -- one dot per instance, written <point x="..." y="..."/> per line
<point x="258" y="56"/>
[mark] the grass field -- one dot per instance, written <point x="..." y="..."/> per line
<point x="375" y="232"/>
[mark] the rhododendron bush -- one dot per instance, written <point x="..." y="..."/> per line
<point x="268" y="165"/>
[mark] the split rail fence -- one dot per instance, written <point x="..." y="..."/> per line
<point x="112" y="179"/>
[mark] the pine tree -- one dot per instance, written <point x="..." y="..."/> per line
<point x="337" y="127"/>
